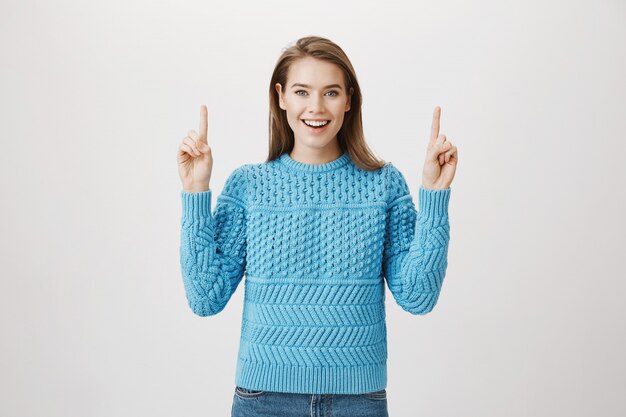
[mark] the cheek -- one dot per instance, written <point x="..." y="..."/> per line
<point x="292" y="113"/>
<point x="293" y="121"/>
<point x="340" y="117"/>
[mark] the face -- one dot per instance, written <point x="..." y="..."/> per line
<point x="314" y="92"/>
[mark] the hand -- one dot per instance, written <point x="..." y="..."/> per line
<point x="441" y="158"/>
<point x="195" y="161"/>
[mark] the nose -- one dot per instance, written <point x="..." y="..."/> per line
<point x="316" y="104"/>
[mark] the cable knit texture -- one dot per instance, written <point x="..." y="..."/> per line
<point x="316" y="244"/>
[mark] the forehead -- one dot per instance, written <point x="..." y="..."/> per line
<point x="314" y="72"/>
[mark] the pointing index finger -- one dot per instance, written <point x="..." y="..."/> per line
<point x="434" y="131"/>
<point x="203" y="124"/>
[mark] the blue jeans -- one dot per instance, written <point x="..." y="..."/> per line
<point x="255" y="403"/>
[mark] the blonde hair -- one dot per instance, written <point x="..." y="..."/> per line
<point x="350" y="137"/>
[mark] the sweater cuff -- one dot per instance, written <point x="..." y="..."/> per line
<point x="196" y="206"/>
<point x="434" y="202"/>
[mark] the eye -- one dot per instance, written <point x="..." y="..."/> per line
<point x="333" y="93"/>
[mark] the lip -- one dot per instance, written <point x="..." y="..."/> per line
<point x="317" y="130"/>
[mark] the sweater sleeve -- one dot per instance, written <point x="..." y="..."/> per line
<point x="213" y="245"/>
<point x="416" y="243"/>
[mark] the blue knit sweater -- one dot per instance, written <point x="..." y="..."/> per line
<point x="316" y="244"/>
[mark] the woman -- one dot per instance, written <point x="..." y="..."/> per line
<point x="317" y="229"/>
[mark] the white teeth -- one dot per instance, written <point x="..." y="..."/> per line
<point x="315" y="123"/>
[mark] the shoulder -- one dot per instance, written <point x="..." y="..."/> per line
<point x="395" y="183"/>
<point x="236" y="184"/>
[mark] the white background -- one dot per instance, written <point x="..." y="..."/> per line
<point x="96" y="96"/>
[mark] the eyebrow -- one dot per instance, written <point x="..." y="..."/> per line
<point x="308" y="86"/>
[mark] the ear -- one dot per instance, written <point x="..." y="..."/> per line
<point x="349" y="99"/>
<point x="281" y="102"/>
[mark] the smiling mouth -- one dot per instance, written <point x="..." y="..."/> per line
<point x="316" y="127"/>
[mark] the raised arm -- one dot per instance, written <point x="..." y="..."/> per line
<point x="213" y="245"/>
<point x="416" y="243"/>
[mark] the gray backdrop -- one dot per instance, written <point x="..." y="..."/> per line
<point x="96" y="97"/>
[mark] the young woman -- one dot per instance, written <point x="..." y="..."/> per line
<point x="317" y="229"/>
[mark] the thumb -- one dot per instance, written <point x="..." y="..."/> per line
<point x="437" y="148"/>
<point x="202" y="146"/>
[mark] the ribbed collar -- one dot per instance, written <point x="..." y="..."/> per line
<point x="301" y="166"/>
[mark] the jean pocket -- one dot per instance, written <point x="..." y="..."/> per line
<point x="247" y="393"/>
<point x="376" y="395"/>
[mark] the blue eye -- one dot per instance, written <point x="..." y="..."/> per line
<point x="335" y="93"/>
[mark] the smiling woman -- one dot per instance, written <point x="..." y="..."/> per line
<point x="317" y="230"/>
<point x="314" y="81"/>
<point x="315" y="103"/>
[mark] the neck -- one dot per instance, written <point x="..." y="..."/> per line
<point x="316" y="156"/>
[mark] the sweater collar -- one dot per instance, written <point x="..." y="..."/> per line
<point x="301" y="166"/>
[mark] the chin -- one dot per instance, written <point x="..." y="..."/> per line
<point x="315" y="142"/>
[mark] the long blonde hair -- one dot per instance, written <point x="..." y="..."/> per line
<point x="350" y="136"/>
